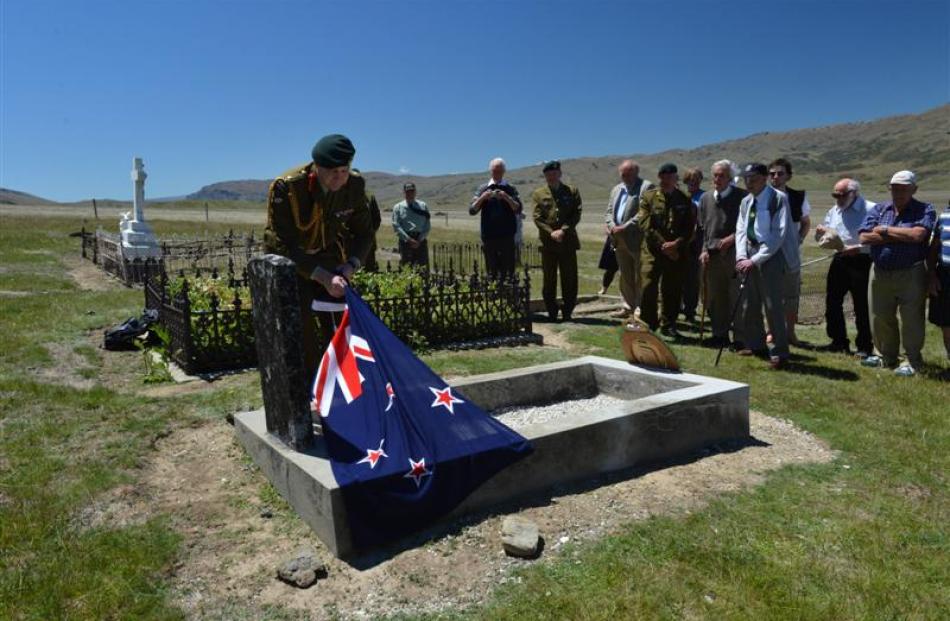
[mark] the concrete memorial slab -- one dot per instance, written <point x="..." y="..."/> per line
<point x="655" y="416"/>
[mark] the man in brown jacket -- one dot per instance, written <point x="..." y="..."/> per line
<point x="317" y="216"/>
<point x="557" y="210"/>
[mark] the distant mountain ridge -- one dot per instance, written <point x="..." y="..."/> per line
<point x="869" y="151"/>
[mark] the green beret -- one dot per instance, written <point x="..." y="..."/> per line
<point x="668" y="168"/>
<point x="333" y="151"/>
<point x="551" y="165"/>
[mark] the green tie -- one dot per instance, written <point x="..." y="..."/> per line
<point x="750" y="230"/>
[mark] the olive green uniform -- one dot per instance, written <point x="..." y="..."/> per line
<point x="664" y="217"/>
<point x="317" y="229"/>
<point x="556" y="209"/>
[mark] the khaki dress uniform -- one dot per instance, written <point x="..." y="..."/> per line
<point x="317" y="229"/>
<point x="662" y="218"/>
<point x="558" y="209"/>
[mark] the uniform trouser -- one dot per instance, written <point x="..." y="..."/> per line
<point x="565" y="260"/>
<point x="664" y="276"/>
<point x="414" y="256"/>
<point x="317" y="329"/>
<point x="891" y="291"/>
<point x="370" y="265"/>
<point x="691" y="282"/>
<point x="628" y="260"/>
<point x="848" y="275"/>
<point x="764" y="287"/>
<point x="499" y="256"/>
<point x="722" y="291"/>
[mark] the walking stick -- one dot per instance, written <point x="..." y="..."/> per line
<point x="702" y="315"/>
<point x="732" y="321"/>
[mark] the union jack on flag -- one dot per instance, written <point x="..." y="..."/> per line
<point x="404" y="446"/>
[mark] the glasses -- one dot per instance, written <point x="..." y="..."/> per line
<point x="776" y="173"/>
<point x="840" y="194"/>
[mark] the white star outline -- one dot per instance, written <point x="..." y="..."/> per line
<point x="445" y="398"/>
<point x="373" y="456"/>
<point x="417" y="470"/>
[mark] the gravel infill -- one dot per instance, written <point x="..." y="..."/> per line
<point x="521" y="416"/>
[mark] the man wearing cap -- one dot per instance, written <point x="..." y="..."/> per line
<point x="557" y="210"/>
<point x="499" y="204"/>
<point x="898" y="232"/>
<point x="411" y="221"/>
<point x="849" y="269"/>
<point x="667" y="221"/>
<point x="622" y="208"/>
<point x="718" y="212"/>
<point x="780" y="173"/>
<point x="317" y="216"/>
<point x="766" y="251"/>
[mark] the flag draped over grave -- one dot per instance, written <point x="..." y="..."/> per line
<point x="404" y="446"/>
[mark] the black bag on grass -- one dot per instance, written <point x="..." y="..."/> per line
<point x="124" y="335"/>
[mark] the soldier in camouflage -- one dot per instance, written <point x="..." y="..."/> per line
<point x="557" y="211"/>
<point x="667" y="220"/>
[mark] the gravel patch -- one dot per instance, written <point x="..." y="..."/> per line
<point x="521" y="416"/>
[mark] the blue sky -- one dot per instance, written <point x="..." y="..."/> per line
<point x="213" y="90"/>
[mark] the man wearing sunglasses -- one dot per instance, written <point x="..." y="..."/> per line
<point x="850" y="266"/>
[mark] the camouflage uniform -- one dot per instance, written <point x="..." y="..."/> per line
<point x="558" y="209"/>
<point x="664" y="217"/>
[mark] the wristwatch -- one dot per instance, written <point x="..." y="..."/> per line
<point x="884" y="234"/>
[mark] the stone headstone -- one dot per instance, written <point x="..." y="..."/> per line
<point x="138" y="239"/>
<point x="280" y="360"/>
<point x="520" y="537"/>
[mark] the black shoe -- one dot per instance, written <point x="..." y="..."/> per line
<point x="836" y="348"/>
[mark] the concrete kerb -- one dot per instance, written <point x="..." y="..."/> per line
<point x="665" y="416"/>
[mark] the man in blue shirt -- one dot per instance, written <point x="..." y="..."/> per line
<point x="898" y="232"/>
<point x="849" y="268"/>
<point x="499" y="205"/>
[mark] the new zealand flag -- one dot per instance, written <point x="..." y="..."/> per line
<point x="404" y="446"/>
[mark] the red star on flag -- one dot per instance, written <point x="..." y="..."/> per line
<point x="446" y="398"/>
<point x="417" y="470"/>
<point x="373" y="456"/>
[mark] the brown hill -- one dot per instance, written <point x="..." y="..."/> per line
<point x="869" y="151"/>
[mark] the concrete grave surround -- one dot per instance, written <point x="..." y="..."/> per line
<point x="664" y="416"/>
<point x="138" y="239"/>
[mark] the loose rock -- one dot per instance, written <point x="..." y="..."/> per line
<point x="303" y="569"/>
<point x="520" y="537"/>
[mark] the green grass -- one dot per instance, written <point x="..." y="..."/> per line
<point x="862" y="537"/>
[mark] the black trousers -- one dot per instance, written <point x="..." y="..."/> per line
<point x="499" y="256"/>
<point x="414" y="256"/>
<point x="565" y="261"/>
<point x="848" y="275"/>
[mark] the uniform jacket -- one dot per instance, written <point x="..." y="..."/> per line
<point x="315" y="228"/>
<point x="557" y="209"/>
<point x="666" y="217"/>
<point x="774" y="230"/>
<point x="631" y="233"/>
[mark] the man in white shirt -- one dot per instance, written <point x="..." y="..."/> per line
<point x="849" y="270"/>
<point x="766" y="250"/>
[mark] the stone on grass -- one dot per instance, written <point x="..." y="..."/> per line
<point x="520" y="537"/>
<point x="302" y="569"/>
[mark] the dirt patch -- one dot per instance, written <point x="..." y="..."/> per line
<point x="67" y="368"/>
<point x="89" y="277"/>
<point x="7" y="293"/>
<point x="201" y="477"/>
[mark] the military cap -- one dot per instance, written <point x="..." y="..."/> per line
<point x="755" y="168"/>
<point x="551" y="165"/>
<point x="408" y="186"/>
<point x="333" y="151"/>
<point x="668" y="168"/>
